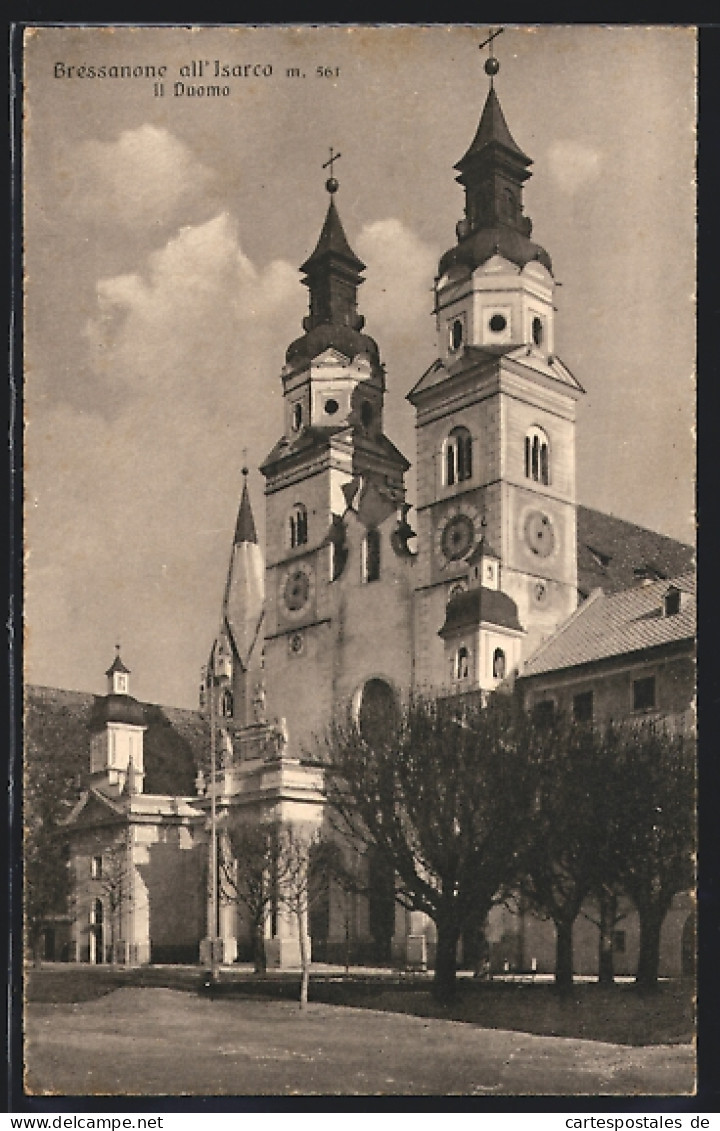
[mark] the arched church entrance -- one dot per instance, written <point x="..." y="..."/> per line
<point x="377" y="712"/>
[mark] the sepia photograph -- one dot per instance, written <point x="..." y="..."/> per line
<point x="359" y="560"/>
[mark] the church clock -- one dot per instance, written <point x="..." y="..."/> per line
<point x="539" y="534"/>
<point x="456" y="533"/>
<point x="297" y="589"/>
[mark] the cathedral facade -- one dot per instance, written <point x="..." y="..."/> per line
<point x="357" y="601"/>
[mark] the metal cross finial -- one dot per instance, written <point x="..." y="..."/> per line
<point x="245" y="469"/>
<point x="491" y="64"/>
<point x="331" y="183"/>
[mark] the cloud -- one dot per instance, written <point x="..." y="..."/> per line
<point x="396" y="298"/>
<point x="132" y="497"/>
<point x="146" y="177"/>
<point x="572" y="165"/>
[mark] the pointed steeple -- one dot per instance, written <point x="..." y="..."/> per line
<point x="244" y="596"/>
<point x="245" y="526"/>
<point x="493" y="171"/>
<point x="117" y="675"/>
<point x="333" y="275"/>
<point x="492" y="129"/>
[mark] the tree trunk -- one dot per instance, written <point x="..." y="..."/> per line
<point x="608" y="916"/>
<point x="304" y="962"/>
<point x="651" y="921"/>
<point x="444" y="982"/>
<point x="259" y="957"/>
<point x="563" y="955"/>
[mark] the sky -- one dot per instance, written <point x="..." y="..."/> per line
<point x="163" y="235"/>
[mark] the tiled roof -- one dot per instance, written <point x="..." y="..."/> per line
<point x="614" y="554"/>
<point x="615" y="624"/>
<point x="58" y="725"/>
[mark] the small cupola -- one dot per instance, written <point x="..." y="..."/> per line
<point x="118" y="682"/>
<point x="484" y="566"/>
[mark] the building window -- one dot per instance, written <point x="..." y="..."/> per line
<point x="96" y="869"/>
<point x="538" y="331"/>
<point x="372" y="555"/>
<point x="672" y="603"/>
<point x="498" y="668"/>
<point x="96" y="913"/>
<point x="461" y="667"/>
<point x="298" y="526"/>
<point x="644" y="693"/>
<point x="618" y="942"/>
<point x="297" y="417"/>
<point x="537" y="456"/>
<point x="544" y="712"/>
<point x="497" y="323"/>
<point x="458" y="457"/>
<point x="583" y="707"/>
<point x="457" y="332"/>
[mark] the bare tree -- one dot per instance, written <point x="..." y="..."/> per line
<point x="443" y="792"/>
<point x="247" y="860"/>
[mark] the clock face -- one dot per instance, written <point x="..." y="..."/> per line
<point x="297" y="589"/>
<point x="457" y="537"/>
<point x="539" y="534"/>
<point x="457" y="533"/>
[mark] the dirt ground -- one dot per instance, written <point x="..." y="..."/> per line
<point x="159" y="1041"/>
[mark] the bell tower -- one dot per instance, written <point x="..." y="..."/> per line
<point x="333" y="452"/>
<point x="495" y="412"/>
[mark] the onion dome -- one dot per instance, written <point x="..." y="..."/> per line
<point x="473" y="607"/>
<point x="117" y="709"/>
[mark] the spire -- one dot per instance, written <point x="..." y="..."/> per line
<point x="493" y="171"/>
<point x="245" y="526"/>
<point x="243" y="600"/>
<point x="117" y="665"/>
<point x="333" y="273"/>
<point x="492" y="129"/>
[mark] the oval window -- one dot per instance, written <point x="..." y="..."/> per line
<point x="498" y="322"/>
<point x="331" y="406"/>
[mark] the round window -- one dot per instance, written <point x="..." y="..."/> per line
<point x="498" y="322"/>
<point x="331" y="406"/>
<point x="456" y="334"/>
<point x="538" y="331"/>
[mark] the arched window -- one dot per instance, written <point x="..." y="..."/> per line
<point x="537" y="456"/>
<point x="462" y="663"/>
<point x="498" y="664"/>
<point x="371" y="555"/>
<point x="297" y="416"/>
<point x="458" y="457"/>
<point x="298" y="526"/>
